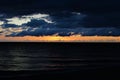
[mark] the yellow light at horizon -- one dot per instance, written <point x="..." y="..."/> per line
<point x="55" y="38"/>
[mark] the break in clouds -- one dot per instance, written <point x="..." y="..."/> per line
<point x="62" y="24"/>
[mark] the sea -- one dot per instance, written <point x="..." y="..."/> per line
<point x="57" y="60"/>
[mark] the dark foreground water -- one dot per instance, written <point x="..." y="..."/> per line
<point x="35" y="60"/>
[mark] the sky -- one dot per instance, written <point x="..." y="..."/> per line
<point x="59" y="21"/>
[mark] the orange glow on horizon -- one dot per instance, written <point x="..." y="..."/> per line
<point x="55" y="38"/>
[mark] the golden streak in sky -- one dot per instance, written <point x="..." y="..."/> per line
<point x="55" y="38"/>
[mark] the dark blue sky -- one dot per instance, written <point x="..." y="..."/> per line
<point x="86" y="17"/>
<point x="108" y="9"/>
<point x="82" y="5"/>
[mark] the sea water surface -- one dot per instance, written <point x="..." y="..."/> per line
<point x="58" y="56"/>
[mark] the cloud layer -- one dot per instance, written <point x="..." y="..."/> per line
<point x="62" y="24"/>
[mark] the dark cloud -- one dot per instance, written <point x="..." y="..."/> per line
<point x="67" y="32"/>
<point x="101" y="13"/>
<point x="63" y="24"/>
<point x="9" y="25"/>
<point x="73" y="20"/>
<point x="42" y="32"/>
<point x="103" y="20"/>
<point x="66" y="17"/>
<point x="36" y="23"/>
